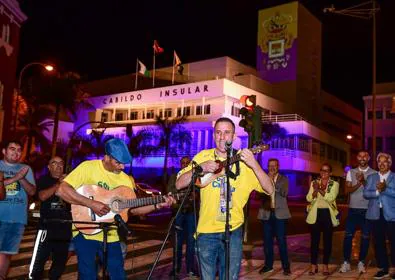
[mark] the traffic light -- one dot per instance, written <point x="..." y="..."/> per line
<point x="251" y="122"/>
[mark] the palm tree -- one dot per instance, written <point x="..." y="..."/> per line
<point x="270" y="130"/>
<point x="140" y="144"/>
<point x="63" y="92"/>
<point x="173" y="138"/>
<point x="34" y="120"/>
<point x="97" y="140"/>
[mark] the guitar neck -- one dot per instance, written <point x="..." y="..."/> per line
<point x="232" y="160"/>
<point x="237" y="156"/>
<point x="139" y="202"/>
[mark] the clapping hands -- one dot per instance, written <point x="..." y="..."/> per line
<point x="381" y="186"/>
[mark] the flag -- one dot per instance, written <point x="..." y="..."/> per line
<point x="157" y="49"/>
<point x="177" y="60"/>
<point x="143" y="69"/>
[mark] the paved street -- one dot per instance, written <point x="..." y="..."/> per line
<point x="142" y="249"/>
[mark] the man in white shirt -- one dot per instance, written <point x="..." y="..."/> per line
<point x="355" y="183"/>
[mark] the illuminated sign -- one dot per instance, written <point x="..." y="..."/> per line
<point x="276" y="49"/>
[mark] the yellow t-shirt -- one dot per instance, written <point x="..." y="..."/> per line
<point x="241" y="188"/>
<point x="92" y="172"/>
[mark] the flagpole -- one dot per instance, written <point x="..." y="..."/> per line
<point x="137" y="69"/>
<point x="153" y="73"/>
<point x="174" y="63"/>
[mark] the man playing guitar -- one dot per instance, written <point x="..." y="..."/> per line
<point x="107" y="175"/>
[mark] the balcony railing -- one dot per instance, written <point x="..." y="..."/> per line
<point x="282" y="118"/>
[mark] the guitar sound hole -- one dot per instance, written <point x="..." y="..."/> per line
<point x="115" y="206"/>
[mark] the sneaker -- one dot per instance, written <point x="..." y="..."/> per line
<point x="287" y="272"/>
<point x="345" y="267"/>
<point x="265" y="269"/>
<point x="381" y="274"/>
<point x="361" y="268"/>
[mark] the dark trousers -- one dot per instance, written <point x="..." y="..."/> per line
<point x="47" y="244"/>
<point x="275" y="228"/>
<point x="356" y="218"/>
<point x="323" y="224"/>
<point x="381" y="229"/>
<point x="185" y="229"/>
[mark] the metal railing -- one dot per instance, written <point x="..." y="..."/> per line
<point x="282" y="118"/>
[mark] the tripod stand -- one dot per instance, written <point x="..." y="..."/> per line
<point x="195" y="174"/>
<point x="104" y="226"/>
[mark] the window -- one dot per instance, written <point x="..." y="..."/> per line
<point x="303" y="144"/>
<point x="104" y="117"/>
<point x="207" y="109"/>
<point x="187" y="111"/>
<point x="134" y="115"/>
<point x="389" y="115"/>
<point x="315" y="147"/>
<point x="379" y="144"/>
<point x="322" y="150"/>
<point x="379" y="114"/>
<point x="330" y="152"/>
<point x="390" y="143"/>
<point x="235" y="111"/>
<point x="199" y="110"/>
<point x="119" y="116"/>
<point x="150" y="114"/>
<point x="168" y="112"/>
<point x="6" y="33"/>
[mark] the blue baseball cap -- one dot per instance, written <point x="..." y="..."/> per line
<point x="117" y="149"/>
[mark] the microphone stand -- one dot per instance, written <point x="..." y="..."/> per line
<point x="195" y="174"/>
<point x="227" y="225"/>
<point x="105" y="226"/>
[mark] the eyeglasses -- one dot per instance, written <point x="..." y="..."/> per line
<point x="60" y="163"/>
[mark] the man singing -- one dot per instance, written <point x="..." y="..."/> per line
<point x="246" y="176"/>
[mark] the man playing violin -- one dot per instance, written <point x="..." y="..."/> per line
<point x="246" y="176"/>
<point x="108" y="174"/>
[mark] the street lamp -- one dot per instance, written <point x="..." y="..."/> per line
<point x="47" y="67"/>
<point x="366" y="10"/>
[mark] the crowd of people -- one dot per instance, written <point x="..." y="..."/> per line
<point x="371" y="209"/>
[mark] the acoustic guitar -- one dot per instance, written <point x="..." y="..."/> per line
<point x="206" y="179"/>
<point x="120" y="200"/>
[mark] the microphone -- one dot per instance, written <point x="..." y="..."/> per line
<point x="121" y="223"/>
<point x="228" y="145"/>
<point x="198" y="168"/>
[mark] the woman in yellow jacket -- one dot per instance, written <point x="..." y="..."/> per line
<point x="322" y="216"/>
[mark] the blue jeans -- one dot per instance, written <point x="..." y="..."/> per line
<point x="185" y="229"/>
<point x="356" y="217"/>
<point x="211" y="250"/>
<point x="86" y="254"/>
<point x="275" y="228"/>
